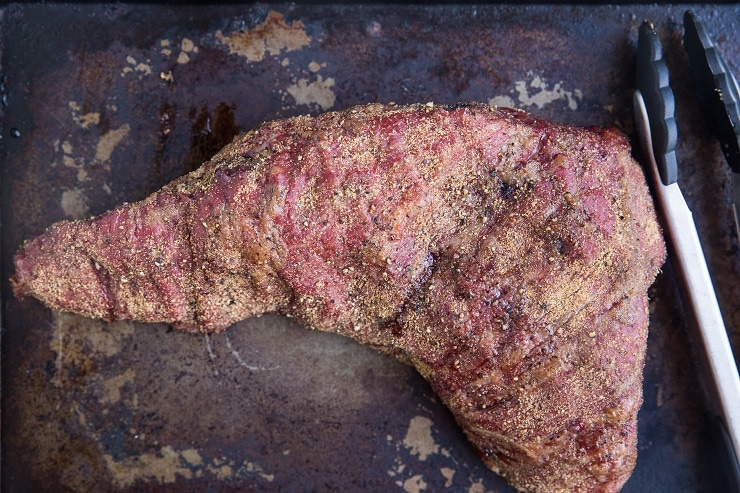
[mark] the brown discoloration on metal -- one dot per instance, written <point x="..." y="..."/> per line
<point x="112" y="102"/>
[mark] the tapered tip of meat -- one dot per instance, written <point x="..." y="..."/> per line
<point x="58" y="273"/>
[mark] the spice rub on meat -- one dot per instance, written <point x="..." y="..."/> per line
<point x="506" y="257"/>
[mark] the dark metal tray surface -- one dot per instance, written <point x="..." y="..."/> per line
<point x="106" y="103"/>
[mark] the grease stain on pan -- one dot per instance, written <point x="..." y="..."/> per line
<point x="534" y="90"/>
<point x="108" y="142"/>
<point x="165" y="465"/>
<point x="272" y="37"/>
<point x="84" y="120"/>
<point x="418" y="442"/>
<point x="76" y="153"/>
<point x="135" y="67"/>
<point x="419" y="439"/>
<point x="70" y="162"/>
<point x="448" y="474"/>
<point x="74" y="203"/>
<point x="318" y="92"/>
<point x="187" y="49"/>
<point x="477" y="487"/>
<point x="79" y="342"/>
<point x="165" y="47"/>
<point x="415" y="484"/>
<point x="80" y="345"/>
<point x="111" y="388"/>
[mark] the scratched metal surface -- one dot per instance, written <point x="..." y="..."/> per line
<point x="106" y="103"/>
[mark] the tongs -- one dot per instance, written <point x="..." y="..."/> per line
<point x="654" y="106"/>
<point x="719" y="97"/>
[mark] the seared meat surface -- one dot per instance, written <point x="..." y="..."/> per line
<point x="506" y="257"/>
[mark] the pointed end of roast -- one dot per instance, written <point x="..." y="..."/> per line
<point x="58" y="273"/>
<point x="19" y="282"/>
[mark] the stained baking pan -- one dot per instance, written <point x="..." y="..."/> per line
<point x="105" y="103"/>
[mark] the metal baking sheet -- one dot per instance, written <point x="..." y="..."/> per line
<point x="105" y="103"/>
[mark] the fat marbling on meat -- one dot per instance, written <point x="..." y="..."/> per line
<point x="505" y="257"/>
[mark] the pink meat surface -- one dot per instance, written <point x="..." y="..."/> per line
<point x="506" y="257"/>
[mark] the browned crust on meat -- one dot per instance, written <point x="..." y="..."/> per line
<point x="506" y="257"/>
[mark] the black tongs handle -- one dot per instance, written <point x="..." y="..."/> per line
<point x="716" y="88"/>
<point x="653" y="82"/>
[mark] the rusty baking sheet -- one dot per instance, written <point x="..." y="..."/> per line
<point x="106" y="103"/>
